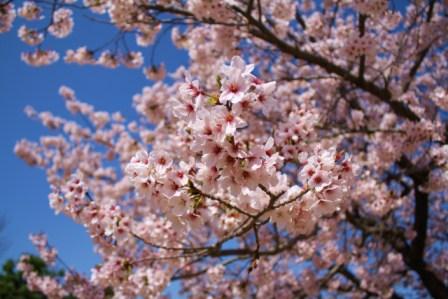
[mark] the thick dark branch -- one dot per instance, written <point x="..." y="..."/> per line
<point x="362" y="59"/>
<point x="395" y="238"/>
<point x="416" y="257"/>
<point x="260" y="12"/>
<point x="250" y="6"/>
<point x="420" y="225"/>
<point x="421" y="209"/>
<point x="433" y="284"/>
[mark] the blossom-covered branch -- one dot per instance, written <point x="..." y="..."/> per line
<point x="301" y="153"/>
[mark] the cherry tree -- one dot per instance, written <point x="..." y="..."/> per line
<point x="301" y="154"/>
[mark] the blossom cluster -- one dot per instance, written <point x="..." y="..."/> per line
<point x="371" y="7"/>
<point x="214" y="9"/>
<point x="357" y="46"/>
<point x="7" y="16"/>
<point x="44" y="284"/>
<point x="223" y="162"/>
<point x="84" y="56"/>
<point x="304" y="176"/>
<point x="325" y="176"/>
<point x="30" y="36"/>
<point x="62" y="24"/>
<point x="47" y="252"/>
<point x="30" y="11"/>
<point x="39" y="57"/>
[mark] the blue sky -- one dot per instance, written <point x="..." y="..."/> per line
<point x="24" y="203"/>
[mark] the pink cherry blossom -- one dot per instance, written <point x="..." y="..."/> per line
<point x="300" y="153"/>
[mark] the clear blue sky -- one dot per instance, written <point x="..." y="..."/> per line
<point x="24" y="190"/>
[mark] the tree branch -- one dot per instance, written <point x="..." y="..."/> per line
<point x="421" y="55"/>
<point x="362" y="59"/>
<point x="384" y="95"/>
<point x="396" y="239"/>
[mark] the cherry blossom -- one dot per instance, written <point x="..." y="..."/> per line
<point x="30" y="11"/>
<point x="30" y="36"/>
<point x="62" y="24"/>
<point x="40" y="57"/>
<point x="300" y="153"/>
<point x="7" y="16"/>
<point x="155" y="73"/>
